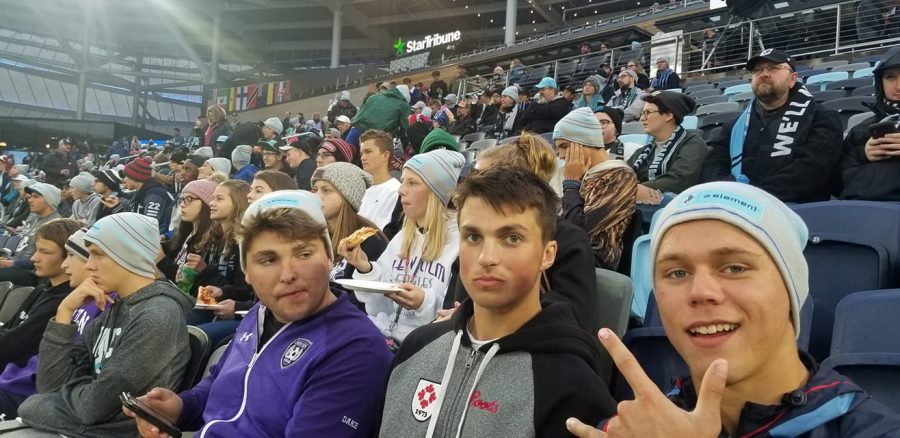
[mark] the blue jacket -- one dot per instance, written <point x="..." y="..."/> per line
<point x="246" y="173"/>
<point x="320" y="377"/>
<point x="829" y="405"/>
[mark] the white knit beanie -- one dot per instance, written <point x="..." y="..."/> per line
<point x="295" y="199"/>
<point x="131" y="239"/>
<point x="241" y="156"/>
<point x="771" y="223"/>
<point x="512" y="92"/>
<point x="580" y="126"/>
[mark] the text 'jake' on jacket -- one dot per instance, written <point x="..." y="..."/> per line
<point x="318" y="377"/>
<point x="522" y="385"/>
<point x="792" y="152"/>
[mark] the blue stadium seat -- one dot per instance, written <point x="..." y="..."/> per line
<point x="865" y="347"/>
<point x="803" y="74"/>
<point x="689" y="122"/>
<point x="864" y="73"/>
<point x="824" y="79"/>
<point x="657" y="357"/>
<point x="806" y="318"/>
<point x="737" y="89"/>
<point x="641" y="277"/>
<point x="640" y="139"/>
<point x="850" y="249"/>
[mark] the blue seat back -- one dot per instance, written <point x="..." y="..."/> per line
<point x="657" y="357"/>
<point x="641" y="277"/>
<point x="867" y="322"/>
<point x="876" y="373"/>
<point x="826" y="78"/>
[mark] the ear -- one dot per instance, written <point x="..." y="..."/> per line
<point x="549" y="256"/>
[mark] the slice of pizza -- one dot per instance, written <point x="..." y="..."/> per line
<point x="359" y="236"/>
<point x="204" y="296"/>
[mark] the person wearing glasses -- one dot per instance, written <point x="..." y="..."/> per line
<point x="666" y="78"/>
<point x="643" y="81"/>
<point x="673" y="159"/>
<point x="334" y="150"/>
<point x="784" y="142"/>
<point x="464" y="124"/>
<point x="598" y="192"/>
<point x="628" y="98"/>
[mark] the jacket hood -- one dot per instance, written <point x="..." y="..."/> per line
<point x="162" y="288"/>
<point x="554" y="330"/>
<point x="890" y="60"/>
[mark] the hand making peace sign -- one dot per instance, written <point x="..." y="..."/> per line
<point x="651" y="414"/>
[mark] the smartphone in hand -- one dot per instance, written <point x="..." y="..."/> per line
<point x="147" y="413"/>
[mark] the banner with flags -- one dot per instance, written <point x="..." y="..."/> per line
<point x="253" y="96"/>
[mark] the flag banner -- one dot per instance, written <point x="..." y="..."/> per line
<point x="253" y="95"/>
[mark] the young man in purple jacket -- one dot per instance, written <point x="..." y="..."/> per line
<point x="305" y="361"/>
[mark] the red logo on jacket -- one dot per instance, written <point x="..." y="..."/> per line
<point x="476" y="402"/>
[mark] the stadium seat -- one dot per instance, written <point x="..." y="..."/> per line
<point x="565" y="70"/>
<point x="12" y="243"/>
<point x="868" y="90"/>
<point x="214" y="359"/>
<point x="676" y="90"/>
<point x="826" y="78"/>
<point x="821" y="96"/>
<point x="850" y="84"/>
<point x="855" y="120"/>
<point x="699" y="87"/>
<point x="806" y="317"/>
<point x="706" y="93"/>
<point x="730" y="82"/>
<point x="200" y="347"/>
<point x="829" y="65"/>
<point x="864" y="347"/>
<point x="5" y="287"/>
<point x="852" y="67"/>
<point x="689" y="122"/>
<point x="632" y="128"/>
<point x="710" y="122"/>
<point x="737" y="89"/>
<point x="635" y="229"/>
<point x="651" y="316"/>
<point x="477" y="146"/>
<point x="549" y="137"/>
<point x="711" y="100"/>
<point x="849" y="106"/>
<point x="858" y="237"/>
<point x="614" y="303"/>
<point x="641" y="277"/>
<point x="475" y="136"/>
<point x="657" y="357"/>
<point x="864" y="73"/>
<point x="803" y="74"/>
<point x="638" y="139"/>
<point x="3" y="239"/>
<point x="743" y="99"/>
<point x="13" y="302"/>
<point x="861" y="321"/>
<point x="717" y="108"/>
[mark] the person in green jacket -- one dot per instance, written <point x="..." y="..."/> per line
<point x="386" y="111"/>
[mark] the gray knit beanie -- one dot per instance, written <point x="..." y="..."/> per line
<point x="83" y="182"/>
<point x="240" y="157"/>
<point x="131" y="239"/>
<point x="580" y="126"/>
<point x="347" y="178"/>
<point x="220" y="164"/>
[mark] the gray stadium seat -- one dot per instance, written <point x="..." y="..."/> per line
<point x="852" y="67"/>
<point x="831" y="64"/>
<point x="632" y="128"/>
<point x="13" y="302"/>
<point x="718" y="108"/>
<point x="822" y="96"/>
<point x="868" y="90"/>
<point x="855" y="120"/>
<point x="706" y="93"/>
<point x="711" y="99"/>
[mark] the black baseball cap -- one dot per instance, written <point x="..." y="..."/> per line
<point x="772" y="55"/>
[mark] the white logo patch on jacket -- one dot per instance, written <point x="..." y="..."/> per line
<point x="294" y="352"/>
<point x="424" y="399"/>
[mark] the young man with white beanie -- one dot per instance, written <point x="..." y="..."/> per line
<point x="43" y="200"/>
<point x="139" y="342"/>
<point x="730" y="279"/>
<point x="598" y="192"/>
<point x="304" y="361"/>
<point x="87" y="202"/>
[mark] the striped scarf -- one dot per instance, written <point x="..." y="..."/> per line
<point x="625" y="99"/>
<point x="660" y="164"/>
<point x="661" y="79"/>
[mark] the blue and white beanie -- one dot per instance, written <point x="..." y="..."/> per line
<point x="440" y="169"/>
<point x="301" y="200"/>
<point x="580" y="126"/>
<point x="131" y="239"/>
<point x="769" y="221"/>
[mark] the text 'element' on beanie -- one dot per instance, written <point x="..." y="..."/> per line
<point x="776" y="227"/>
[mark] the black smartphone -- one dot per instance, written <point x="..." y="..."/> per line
<point x="881" y="129"/>
<point x="147" y="413"/>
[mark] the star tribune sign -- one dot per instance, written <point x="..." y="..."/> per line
<point x="428" y="42"/>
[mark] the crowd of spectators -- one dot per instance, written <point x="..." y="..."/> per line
<point x="474" y="299"/>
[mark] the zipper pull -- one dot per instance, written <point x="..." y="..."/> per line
<point x="471" y="359"/>
<point x="253" y="360"/>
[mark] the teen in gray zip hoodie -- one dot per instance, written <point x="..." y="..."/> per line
<point x="139" y="343"/>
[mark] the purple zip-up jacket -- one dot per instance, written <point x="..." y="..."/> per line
<point x="323" y="376"/>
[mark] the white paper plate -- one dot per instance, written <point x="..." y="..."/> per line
<point x="207" y="306"/>
<point x="372" y="287"/>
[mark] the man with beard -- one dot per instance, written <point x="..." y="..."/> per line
<point x="784" y="142"/>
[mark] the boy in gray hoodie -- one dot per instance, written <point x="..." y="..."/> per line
<point x="138" y="343"/>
